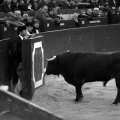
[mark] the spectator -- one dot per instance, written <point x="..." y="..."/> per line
<point x="6" y="6"/>
<point x="72" y="5"/>
<point x="43" y="3"/>
<point x="35" y="4"/>
<point x="111" y="16"/>
<point x="53" y="4"/>
<point x="64" y="4"/>
<point x="18" y="15"/>
<point x="36" y="26"/>
<point x="22" y="6"/>
<point x="75" y="18"/>
<point x="82" y="14"/>
<point x="16" y="19"/>
<point x="94" y="3"/>
<point x="30" y="5"/>
<point x="53" y="14"/>
<point x="101" y="13"/>
<point x="42" y="13"/>
<point x="25" y="18"/>
<point x="89" y="14"/>
<point x="54" y="17"/>
<point x="17" y="60"/>
<point x="114" y="3"/>
<point x="96" y="12"/>
<point x="14" y="5"/>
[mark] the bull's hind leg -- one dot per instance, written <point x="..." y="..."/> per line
<point x="79" y="95"/>
<point x="78" y="82"/>
<point x="117" y="79"/>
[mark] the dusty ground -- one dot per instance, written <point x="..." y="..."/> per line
<point x="57" y="96"/>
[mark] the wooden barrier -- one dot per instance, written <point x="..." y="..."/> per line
<point x="87" y="39"/>
<point x="8" y="32"/>
<point x="13" y="107"/>
<point x="33" y="65"/>
<point x="5" y="66"/>
<point x="64" y="24"/>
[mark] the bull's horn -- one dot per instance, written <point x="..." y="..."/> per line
<point x="51" y="58"/>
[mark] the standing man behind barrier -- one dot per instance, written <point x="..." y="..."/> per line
<point x="17" y="59"/>
<point x="42" y="16"/>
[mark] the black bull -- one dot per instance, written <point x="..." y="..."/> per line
<point x="80" y="68"/>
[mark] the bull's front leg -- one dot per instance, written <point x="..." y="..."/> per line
<point x="117" y="100"/>
<point x="117" y="80"/>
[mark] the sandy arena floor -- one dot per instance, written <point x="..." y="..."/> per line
<point x="57" y="96"/>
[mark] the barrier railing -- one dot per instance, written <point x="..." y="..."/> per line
<point x="13" y="107"/>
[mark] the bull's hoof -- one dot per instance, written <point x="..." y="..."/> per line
<point x="115" y="103"/>
<point x="78" y="100"/>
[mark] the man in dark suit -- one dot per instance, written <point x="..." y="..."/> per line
<point x="17" y="59"/>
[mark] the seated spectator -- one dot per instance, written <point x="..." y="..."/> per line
<point x="22" y="6"/>
<point x="18" y="15"/>
<point x="25" y="18"/>
<point x="111" y="16"/>
<point x="96" y="12"/>
<point x="36" y="26"/>
<point x="94" y="3"/>
<point x="53" y="14"/>
<point x="42" y="13"/>
<point x="6" y="6"/>
<point x="114" y="3"/>
<point x="82" y="14"/>
<point x="75" y="18"/>
<point x="64" y="4"/>
<point x="14" y="18"/>
<point x="55" y="17"/>
<point x="72" y="4"/>
<point x="89" y="14"/>
<point x="101" y="13"/>
<point x="52" y="4"/>
<point x="35" y="4"/>
<point x="14" y="5"/>
<point x="117" y="15"/>
<point x="30" y="5"/>
<point x="42" y="3"/>
<point x="17" y="20"/>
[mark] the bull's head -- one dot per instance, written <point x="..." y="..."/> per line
<point x="52" y="66"/>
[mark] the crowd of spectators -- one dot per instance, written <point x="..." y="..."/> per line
<point x="47" y="10"/>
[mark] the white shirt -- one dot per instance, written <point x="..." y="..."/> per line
<point x="21" y="37"/>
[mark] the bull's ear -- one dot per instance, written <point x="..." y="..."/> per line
<point x="50" y="59"/>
